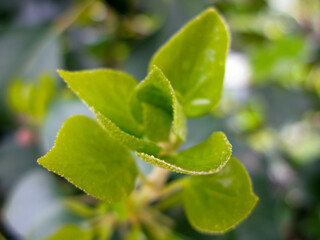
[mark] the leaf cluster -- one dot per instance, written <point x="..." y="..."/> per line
<point x="148" y="119"/>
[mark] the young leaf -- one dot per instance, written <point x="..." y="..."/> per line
<point x="71" y="232"/>
<point x="216" y="203"/>
<point x="156" y="90"/>
<point x="128" y="140"/>
<point x="208" y="157"/>
<point x="107" y="91"/>
<point x="194" y="60"/>
<point x="87" y="157"/>
<point x="157" y="123"/>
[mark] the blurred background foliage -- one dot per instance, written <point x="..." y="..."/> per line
<point x="270" y="108"/>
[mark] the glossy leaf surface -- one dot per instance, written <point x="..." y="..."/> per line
<point x="218" y="202"/>
<point x="91" y="160"/>
<point x="194" y="60"/>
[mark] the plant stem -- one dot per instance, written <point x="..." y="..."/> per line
<point x="172" y="187"/>
<point x="67" y="18"/>
<point x="158" y="177"/>
<point x="151" y="186"/>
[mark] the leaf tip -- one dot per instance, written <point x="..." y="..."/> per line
<point x="210" y="10"/>
<point x="153" y="67"/>
<point x="61" y="71"/>
<point x="213" y="12"/>
<point x="39" y="161"/>
<point x="43" y="163"/>
<point x="256" y="199"/>
<point x="63" y="74"/>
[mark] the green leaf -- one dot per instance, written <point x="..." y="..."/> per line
<point x="157" y="123"/>
<point x="108" y="92"/>
<point x="126" y="139"/>
<point x="276" y="59"/>
<point x="19" y="96"/>
<point x="194" y="60"/>
<point x="71" y="232"/>
<point x="80" y="208"/>
<point x="156" y="90"/>
<point x="136" y="233"/>
<point x="216" y="203"/>
<point x="60" y="110"/>
<point x="41" y="95"/>
<point x="31" y="98"/>
<point x="87" y="157"/>
<point x="208" y="157"/>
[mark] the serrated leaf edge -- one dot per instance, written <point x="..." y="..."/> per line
<point x="126" y="137"/>
<point x="163" y="164"/>
<point x="39" y="160"/>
